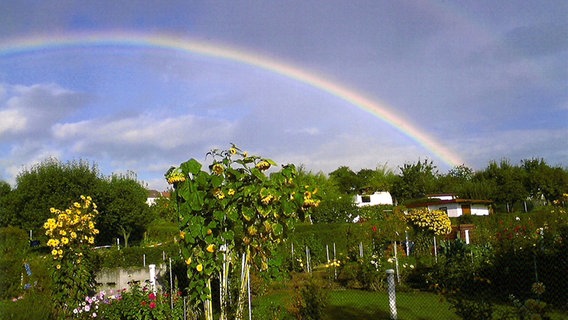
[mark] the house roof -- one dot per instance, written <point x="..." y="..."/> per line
<point x="442" y="202"/>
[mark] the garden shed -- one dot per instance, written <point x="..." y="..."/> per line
<point x="375" y="199"/>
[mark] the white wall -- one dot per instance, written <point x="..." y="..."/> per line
<point x="377" y="198"/>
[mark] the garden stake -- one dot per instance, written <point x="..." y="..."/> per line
<point x="396" y="263"/>
<point x="171" y="287"/>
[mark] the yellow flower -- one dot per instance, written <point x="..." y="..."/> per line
<point x="231" y="192"/>
<point x="199" y="267"/>
<point x="59" y="252"/>
<point x="263" y="165"/>
<point x="54" y="252"/>
<point x="188" y="261"/>
<point x="233" y="151"/>
<point x="63" y="232"/>
<point x="211" y="248"/>
<point x="64" y="240"/>
<point x="218" y="168"/>
<point x="218" y="193"/>
<point x="266" y="200"/>
<point x="58" y="266"/>
<point x="182" y="234"/>
<point x="73" y="235"/>
<point x="91" y="240"/>
<point x="76" y="205"/>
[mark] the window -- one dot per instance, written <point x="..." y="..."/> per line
<point x="365" y="199"/>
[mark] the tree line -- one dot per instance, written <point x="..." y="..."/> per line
<point x="121" y="199"/>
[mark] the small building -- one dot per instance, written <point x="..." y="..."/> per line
<point x="375" y="199"/>
<point x="453" y="205"/>
<point x="153" y="195"/>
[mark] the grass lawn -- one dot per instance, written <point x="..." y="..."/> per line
<point x="353" y="304"/>
<point x="357" y="304"/>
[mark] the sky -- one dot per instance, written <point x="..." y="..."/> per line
<point x="140" y="86"/>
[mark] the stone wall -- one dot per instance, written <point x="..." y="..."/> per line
<point x="118" y="278"/>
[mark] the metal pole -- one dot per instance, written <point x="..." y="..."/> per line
<point x="392" y="294"/>
<point x="435" y="250"/>
<point x="171" y="286"/>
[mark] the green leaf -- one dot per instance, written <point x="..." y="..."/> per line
<point x="229" y="235"/>
<point x="191" y="166"/>
<point x="278" y="229"/>
<point x="216" y="181"/>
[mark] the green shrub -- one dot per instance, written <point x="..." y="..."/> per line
<point x="13" y="251"/>
<point x="311" y="297"/>
<point x="161" y="231"/>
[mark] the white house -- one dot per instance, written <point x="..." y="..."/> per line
<point x="153" y="195"/>
<point x="375" y="199"/>
<point x="454" y="206"/>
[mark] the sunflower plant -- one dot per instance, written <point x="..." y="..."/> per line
<point x="71" y="235"/>
<point x="234" y="208"/>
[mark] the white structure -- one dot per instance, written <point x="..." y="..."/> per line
<point x="375" y="199"/>
<point x="153" y="195"/>
<point x="454" y="206"/>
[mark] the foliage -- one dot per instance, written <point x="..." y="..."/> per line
<point x="124" y="210"/>
<point x="415" y="181"/>
<point x="311" y="298"/>
<point x="532" y="308"/>
<point x="34" y="305"/>
<point x="138" y="303"/>
<point x="45" y="185"/>
<point x="14" y="247"/>
<point x="234" y="208"/>
<point x="462" y="276"/>
<point x="164" y="208"/>
<point x="435" y="222"/>
<point x="72" y="233"/>
<point x="347" y="181"/>
<point x="160" y="231"/>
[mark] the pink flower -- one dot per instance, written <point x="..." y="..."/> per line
<point x="152" y="296"/>
<point x="152" y="305"/>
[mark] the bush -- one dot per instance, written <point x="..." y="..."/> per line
<point x="161" y="231"/>
<point x="13" y="250"/>
<point x="311" y="298"/>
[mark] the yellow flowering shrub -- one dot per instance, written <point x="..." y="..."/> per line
<point x="436" y="221"/>
<point x="71" y="235"/>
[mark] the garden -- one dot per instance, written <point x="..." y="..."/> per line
<point x="244" y="246"/>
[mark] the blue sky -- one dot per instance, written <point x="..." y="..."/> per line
<point x="487" y="80"/>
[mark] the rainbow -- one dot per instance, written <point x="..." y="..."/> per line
<point x="377" y="109"/>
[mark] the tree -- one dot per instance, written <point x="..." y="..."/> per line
<point x="382" y="178"/>
<point x="123" y="210"/>
<point x="50" y="183"/>
<point x="346" y="180"/>
<point x="415" y="181"/>
<point x="508" y="180"/>
<point x="542" y="180"/>
<point x="5" y="214"/>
